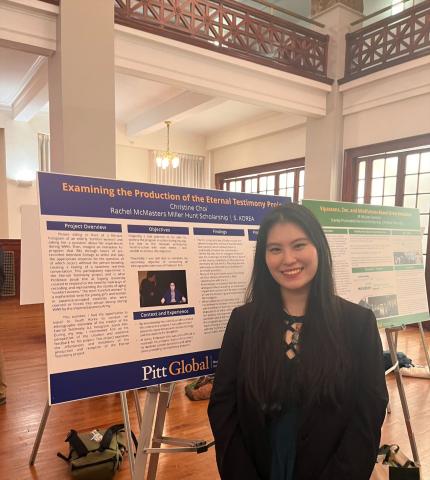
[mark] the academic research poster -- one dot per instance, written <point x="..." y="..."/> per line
<point x="139" y="279"/>
<point x="377" y="258"/>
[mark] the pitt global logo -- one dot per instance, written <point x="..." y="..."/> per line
<point x="177" y="368"/>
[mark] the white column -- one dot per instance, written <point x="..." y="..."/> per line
<point x="82" y="90"/>
<point x="324" y="136"/>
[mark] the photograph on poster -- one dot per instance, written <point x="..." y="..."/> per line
<point x="384" y="305"/>
<point x="407" y="258"/>
<point x="162" y="287"/>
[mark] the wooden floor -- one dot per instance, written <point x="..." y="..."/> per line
<point x="22" y="342"/>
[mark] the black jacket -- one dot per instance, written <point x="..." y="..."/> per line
<point x="332" y="444"/>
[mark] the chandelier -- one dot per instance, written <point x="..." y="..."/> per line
<point x="167" y="158"/>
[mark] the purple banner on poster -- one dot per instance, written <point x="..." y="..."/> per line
<point x="67" y="195"/>
<point x="223" y="232"/>
<point x="83" y="227"/>
<point x="158" y="229"/>
<point x="171" y="312"/>
<point x="91" y="382"/>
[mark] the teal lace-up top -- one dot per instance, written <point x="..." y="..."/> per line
<point x="283" y="429"/>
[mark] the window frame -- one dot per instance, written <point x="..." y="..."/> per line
<point x="258" y="171"/>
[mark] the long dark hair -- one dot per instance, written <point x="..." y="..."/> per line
<point x="319" y="375"/>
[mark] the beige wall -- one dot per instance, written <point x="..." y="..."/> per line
<point x="21" y="146"/>
<point x="132" y="163"/>
<point x="406" y="118"/>
<point x="392" y="121"/>
<point x="21" y="156"/>
<point x="18" y="196"/>
<point x="284" y="145"/>
<point x="181" y="142"/>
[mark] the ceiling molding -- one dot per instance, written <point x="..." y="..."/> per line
<point x="34" y="95"/>
<point x="5" y="108"/>
<point x="174" y="109"/>
<point x="26" y="79"/>
<point x="28" y="25"/>
<point x="400" y="85"/>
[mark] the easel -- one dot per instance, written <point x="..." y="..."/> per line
<point x="149" y="447"/>
<point x="392" y="334"/>
<point x="125" y="415"/>
<point x="151" y="432"/>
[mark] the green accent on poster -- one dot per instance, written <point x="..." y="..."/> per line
<point x="345" y="214"/>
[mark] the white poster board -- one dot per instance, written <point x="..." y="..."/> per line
<point x="101" y="240"/>
<point x="31" y="288"/>
<point x="377" y="258"/>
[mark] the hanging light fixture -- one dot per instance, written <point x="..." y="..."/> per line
<point x="167" y="158"/>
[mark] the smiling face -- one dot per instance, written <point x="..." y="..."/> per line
<point x="291" y="258"/>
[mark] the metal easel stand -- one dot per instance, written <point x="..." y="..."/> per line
<point x="392" y="345"/>
<point x="126" y="418"/>
<point x="149" y="447"/>
<point x="40" y="431"/>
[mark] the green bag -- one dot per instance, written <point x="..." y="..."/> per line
<point x="90" y="459"/>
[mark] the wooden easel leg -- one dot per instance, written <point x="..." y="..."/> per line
<point x="423" y="341"/>
<point x="130" y="444"/>
<point x="405" y="408"/>
<point x="145" y="434"/>
<point x="137" y="405"/>
<point x="40" y="433"/>
<point x="171" y="390"/>
<point x="163" y="403"/>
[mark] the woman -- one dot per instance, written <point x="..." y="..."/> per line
<point x="173" y="295"/>
<point x="299" y="390"/>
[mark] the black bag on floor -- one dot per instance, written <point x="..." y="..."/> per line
<point x="96" y="455"/>
<point x="400" y="466"/>
<point x="404" y="361"/>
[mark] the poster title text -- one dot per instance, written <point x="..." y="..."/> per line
<point x="153" y="195"/>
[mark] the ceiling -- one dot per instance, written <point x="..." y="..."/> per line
<point x="17" y="68"/>
<point x="141" y="105"/>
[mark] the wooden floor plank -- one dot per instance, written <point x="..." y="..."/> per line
<point x="22" y="342"/>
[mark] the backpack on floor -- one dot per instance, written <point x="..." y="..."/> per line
<point x="95" y="455"/>
<point x="400" y="466"/>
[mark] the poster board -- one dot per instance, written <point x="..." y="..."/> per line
<point x="377" y="258"/>
<point x="31" y="288"/>
<point x="101" y="239"/>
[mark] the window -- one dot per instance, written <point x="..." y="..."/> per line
<point x="394" y="173"/>
<point x="285" y="178"/>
